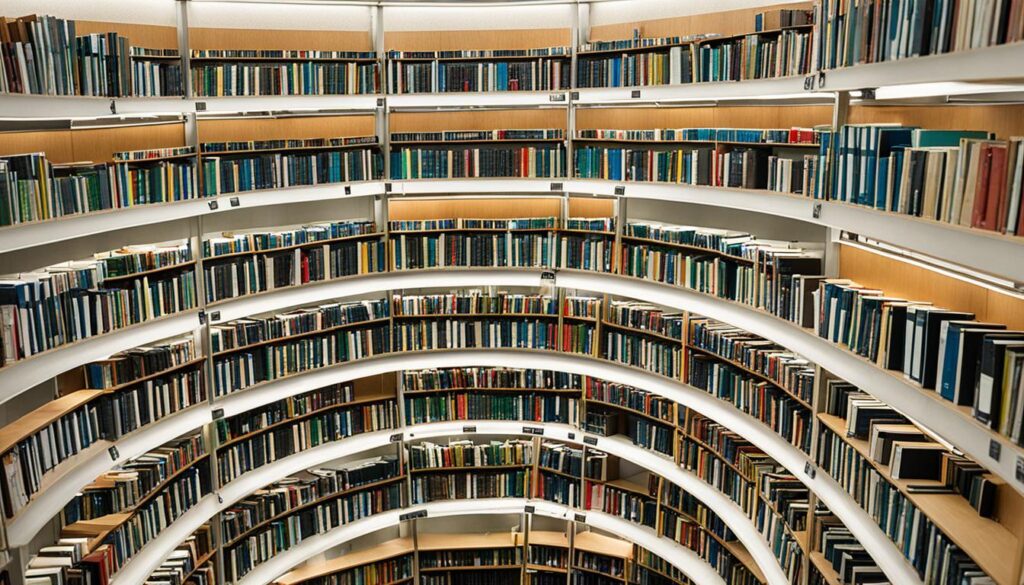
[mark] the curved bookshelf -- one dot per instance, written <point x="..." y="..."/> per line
<point x="881" y="548"/>
<point x="24" y="374"/>
<point x="953" y="424"/>
<point x="985" y="251"/>
<point x="155" y="552"/>
<point x="82" y="469"/>
<point x="681" y="557"/>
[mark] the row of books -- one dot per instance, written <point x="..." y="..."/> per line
<point x="466" y="453"/>
<point x="480" y="53"/>
<point x="236" y="276"/>
<point x="637" y="350"/>
<point x="33" y="189"/>
<point x="768" y="136"/>
<point x="247" y="453"/>
<point x="645" y="317"/>
<point x="630" y="397"/>
<point x="396" y="570"/>
<point x="292" y="407"/>
<point x="489" y="161"/>
<point x="774" y="407"/>
<point x="542" y="74"/>
<point x="491" y="557"/>
<point x="229" y="243"/>
<point x="673" y="66"/>
<point x="723" y="277"/>
<point x="900" y="450"/>
<point x="473" y="405"/>
<point x="962" y="177"/>
<point x="474" y="333"/>
<point x="277" y="55"/>
<point x="467" y="223"/>
<point x="483" y="378"/>
<point x="626" y="504"/>
<point x="62" y="304"/>
<point x="772" y="55"/>
<point x="284" y="78"/>
<point x="278" y="359"/>
<point x="470" y="485"/>
<point x="131" y="482"/>
<point x="317" y="485"/>
<point x="237" y="173"/>
<point x="784" y="368"/>
<point x="848" y="33"/>
<point x="280" y="535"/>
<point x="474" y="302"/>
<point x="515" y="135"/>
<point x="236" y="146"/>
<point x="242" y="333"/>
<point x="966" y="362"/>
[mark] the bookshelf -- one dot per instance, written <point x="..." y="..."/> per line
<point x="964" y="245"/>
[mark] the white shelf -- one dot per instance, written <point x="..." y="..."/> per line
<point x="32" y="371"/>
<point x="977" y="249"/>
<point x="758" y="89"/>
<point x="479" y="99"/>
<point x="20" y="237"/>
<point x="881" y="548"/>
<point x="44" y="107"/>
<point x="85" y="467"/>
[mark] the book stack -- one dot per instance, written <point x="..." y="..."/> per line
<point x="646" y="317"/>
<point x="156" y="176"/>
<point x="192" y="559"/>
<point x="231" y="168"/>
<point x="436" y="74"/>
<point x="845" y="554"/>
<point x="215" y="74"/>
<point x="243" y="367"/>
<point x="315" y="486"/>
<point x="512" y="249"/>
<point x="637" y="61"/>
<point x="71" y="301"/>
<point x="787" y="370"/>
<point x="459" y="162"/>
<point x="850" y="34"/>
<point x="264" y="543"/>
<point x="673" y="497"/>
<point x="967" y="362"/>
<point x="248" y="452"/>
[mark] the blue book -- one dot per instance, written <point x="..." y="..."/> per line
<point x="952" y="352"/>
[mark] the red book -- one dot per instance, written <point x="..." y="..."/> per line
<point x="996" y="200"/>
<point x="981" y="190"/>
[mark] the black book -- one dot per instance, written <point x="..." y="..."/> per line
<point x="930" y="343"/>
<point x="988" y="394"/>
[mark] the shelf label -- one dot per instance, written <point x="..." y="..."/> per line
<point x="635" y="94"/>
<point x="556" y="186"/>
<point x="580" y="517"/>
<point x="215" y="316"/>
<point x="557" y="97"/>
<point x="380" y="102"/>
<point x="113" y="453"/>
<point x="533" y="430"/>
<point x="574" y="95"/>
<point x="816" y="211"/>
<point x="214" y="205"/>
<point x="396" y="437"/>
<point x="387" y="187"/>
<point x="590" y="440"/>
<point x="572" y="436"/>
<point x="218" y="413"/>
<point x="529" y="509"/>
<point x="413" y="515"/>
<point x="348" y="189"/>
<point x="234" y="202"/>
<point x="809" y="83"/>
<point x="200" y="106"/>
<point x="620" y="189"/>
<point x="202" y="317"/>
<point x="810" y="470"/>
<point x="469" y="429"/>
<point x="1020" y="468"/>
<point x="995" y="449"/>
<point x="821" y="80"/>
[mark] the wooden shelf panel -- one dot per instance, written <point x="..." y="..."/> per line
<point x="379" y="552"/>
<point x="208" y="38"/>
<point x="480" y="40"/>
<point x="447" y="541"/>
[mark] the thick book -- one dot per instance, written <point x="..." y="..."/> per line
<point x="916" y="460"/>
<point x="957" y="343"/>
<point x="988" y="396"/>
